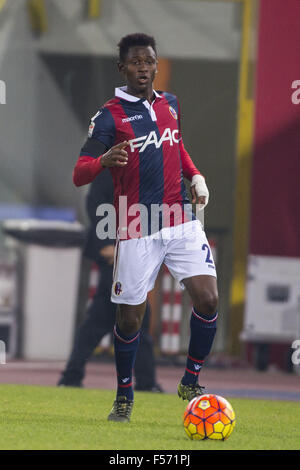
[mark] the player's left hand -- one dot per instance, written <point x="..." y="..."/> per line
<point x="199" y="191"/>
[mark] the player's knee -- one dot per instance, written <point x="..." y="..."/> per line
<point x="129" y="325"/>
<point x="207" y="303"/>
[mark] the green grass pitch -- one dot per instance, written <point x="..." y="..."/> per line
<point x="33" y="417"/>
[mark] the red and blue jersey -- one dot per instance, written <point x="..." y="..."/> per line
<point x="157" y="159"/>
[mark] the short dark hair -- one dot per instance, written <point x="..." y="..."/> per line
<point x="135" y="39"/>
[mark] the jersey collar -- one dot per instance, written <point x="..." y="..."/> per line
<point x="121" y="92"/>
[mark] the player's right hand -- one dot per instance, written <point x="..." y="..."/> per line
<point x="108" y="252"/>
<point x="115" y="156"/>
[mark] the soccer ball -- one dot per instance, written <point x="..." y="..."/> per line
<point x="209" y="417"/>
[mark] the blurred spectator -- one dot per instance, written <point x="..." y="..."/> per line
<point x="100" y="315"/>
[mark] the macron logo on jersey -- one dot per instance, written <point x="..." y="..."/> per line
<point x="137" y="117"/>
<point x="151" y="139"/>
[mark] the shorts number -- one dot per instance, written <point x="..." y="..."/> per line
<point x="208" y="256"/>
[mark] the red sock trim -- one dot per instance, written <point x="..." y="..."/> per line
<point x="204" y="319"/>
<point x="124" y="340"/>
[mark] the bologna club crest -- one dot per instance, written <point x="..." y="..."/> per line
<point x="118" y="288"/>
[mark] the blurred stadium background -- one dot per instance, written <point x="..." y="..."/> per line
<point x="233" y="64"/>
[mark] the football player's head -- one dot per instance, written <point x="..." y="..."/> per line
<point x="138" y="61"/>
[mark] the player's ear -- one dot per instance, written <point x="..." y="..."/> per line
<point x="120" y="66"/>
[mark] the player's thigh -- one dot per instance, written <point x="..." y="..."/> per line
<point x="137" y="263"/>
<point x="189" y="254"/>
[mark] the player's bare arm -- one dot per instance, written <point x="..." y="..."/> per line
<point x="116" y="156"/>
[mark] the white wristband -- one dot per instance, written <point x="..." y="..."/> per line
<point x="201" y="189"/>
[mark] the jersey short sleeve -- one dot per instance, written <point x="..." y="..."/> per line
<point x="102" y="127"/>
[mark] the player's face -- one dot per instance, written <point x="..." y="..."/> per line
<point x="139" y="69"/>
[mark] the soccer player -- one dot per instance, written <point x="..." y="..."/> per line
<point x="137" y="136"/>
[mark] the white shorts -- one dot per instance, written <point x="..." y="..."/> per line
<point x="184" y="249"/>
